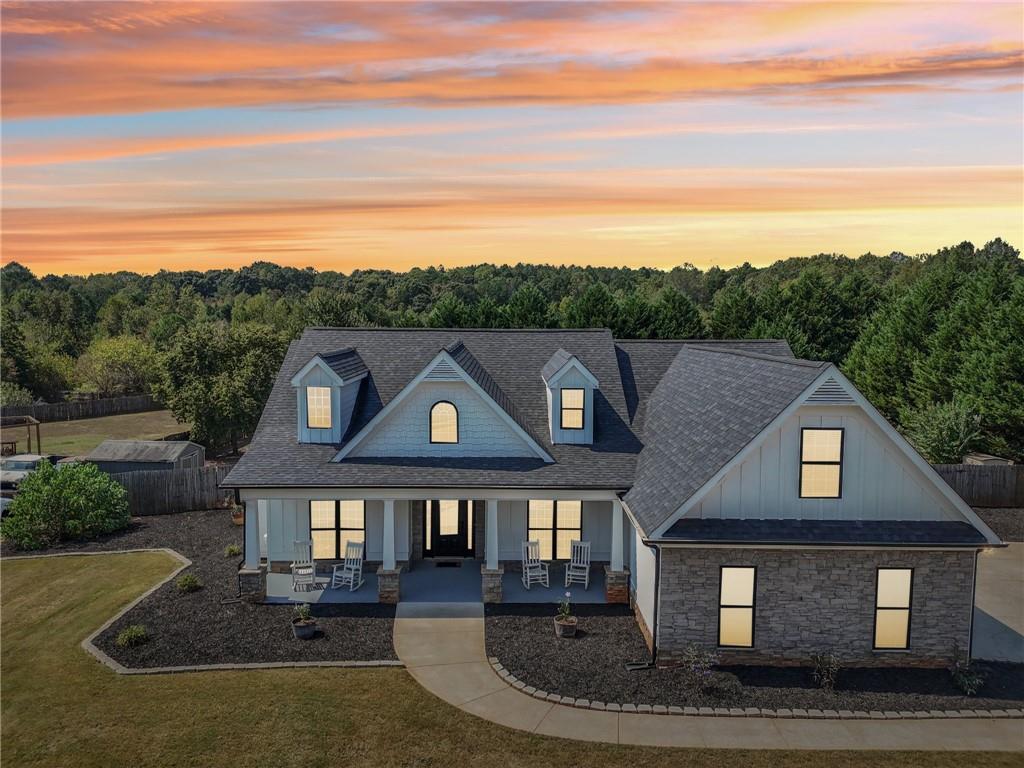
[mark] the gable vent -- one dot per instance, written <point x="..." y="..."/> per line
<point x="443" y="371"/>
<point x="831" y="392"/>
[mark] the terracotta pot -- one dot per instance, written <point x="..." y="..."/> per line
<point x="565" y="627"/>
<point x="238" y="517"/>
<point x="303" y="629"/>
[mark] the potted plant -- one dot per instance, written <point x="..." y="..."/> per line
<point x="238" y="514"/>
<point x="303" y="625"/>
<point x="565" y="622"/>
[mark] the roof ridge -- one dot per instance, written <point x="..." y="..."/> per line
<point x="763" y="356"/>
<point x="701" y="341"/>
<point x="456" y="330"/>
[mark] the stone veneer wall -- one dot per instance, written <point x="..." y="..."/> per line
<point x="817" y="601"/>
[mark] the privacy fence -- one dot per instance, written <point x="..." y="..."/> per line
<point x="84" y="409"/>
<point x="986" y="485"/>
<point x="177" y="490"/>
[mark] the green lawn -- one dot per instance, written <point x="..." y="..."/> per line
<point x="75" y="438"/>
<point x="60" y="707"/>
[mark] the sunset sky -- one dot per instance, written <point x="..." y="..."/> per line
<point x="341" y="136"/>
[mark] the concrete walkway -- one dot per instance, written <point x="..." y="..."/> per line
<point x="999" y="605"/>
<point x="442" y="646"/>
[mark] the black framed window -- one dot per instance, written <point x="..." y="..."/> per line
<point x="555" y="524"/>
<point x="332" y="524"/>
<point x="737" y="587"/>
<point x="572" y="408"/>
<point x="821" y="463"/>
<point x="444" y="423"/>
<point x="894" y="589"/>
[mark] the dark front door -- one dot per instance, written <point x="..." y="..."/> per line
<point x="447" y="529"/>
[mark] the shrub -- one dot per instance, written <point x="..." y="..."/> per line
<point x="132" y="636"/>
<point x="965" y="675"/>
<point x="189" y="582"/>
<point x="76" y="501"/>
<point x="695" y="663"/>
<point x="303" y="613"/>
<point x="724" y="686"/>
<point x="12" y="394"/>
<point x="232" y="550"/>
<point x="826" y="670"/>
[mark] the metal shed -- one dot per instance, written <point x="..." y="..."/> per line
<point x="116" y="456"/>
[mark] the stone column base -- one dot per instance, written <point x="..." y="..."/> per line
<point x="491" y="583"/>
<point x="388" y="585"/>
<point x="252" y="584"/>
<point x="616" y="585"/>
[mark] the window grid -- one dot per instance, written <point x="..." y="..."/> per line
<point x="572" y="407"/>
<point x="318" y="407"/>
<point x="444" y="423"/>
<point x="893" y="608"/>
<point x="736" y="602"/>
<point x="555" y="524"/>
<point x="332" y="524"/>
<point x="821" y="477"/>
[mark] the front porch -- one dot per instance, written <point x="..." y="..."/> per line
<point x="455" y="547"/>
<point x="432" y="581"/>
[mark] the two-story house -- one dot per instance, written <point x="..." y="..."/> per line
<point x="735" y="496"/>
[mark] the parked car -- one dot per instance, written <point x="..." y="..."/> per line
<point x="14" y="469"/>
<point x="5" y="504"/>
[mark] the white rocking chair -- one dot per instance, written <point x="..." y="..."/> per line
<point x="577" y="570"/>
<point x="349" y="573"/>
<point x="535" y="570"/>
<point x="303" y="569"/>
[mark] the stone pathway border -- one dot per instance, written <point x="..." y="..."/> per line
<point x="183" y="563"/>
<point x="800" y="714"/>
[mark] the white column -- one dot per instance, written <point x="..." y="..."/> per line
<point x="389" y="534"/>
<point x="252" y="534"/>
<point x="616" y="535"/>
<point x="491" y="534"/>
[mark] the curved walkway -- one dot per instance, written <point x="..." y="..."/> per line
<point x="442" y="646"/>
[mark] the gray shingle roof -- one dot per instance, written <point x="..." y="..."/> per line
<point x="345" y="362"/>
<point x="709" y="404"/>
<point x="556" y="362"/>
<point x="839" y="532"/>
<point x="142" y="450"/>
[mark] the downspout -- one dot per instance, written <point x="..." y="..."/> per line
<point x="634" y="666"/>
<point x="245" y="526"/>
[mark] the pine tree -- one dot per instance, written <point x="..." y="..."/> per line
<point x="527" y="308"/>
<point x="677" y="317"/>
<point x="733" y="312"/>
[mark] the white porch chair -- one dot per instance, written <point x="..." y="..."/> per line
<point x="577" y="570"/>
<point x="303" y="569"/>
<point x="349" y="573"/>
<point x="535" y="570"/>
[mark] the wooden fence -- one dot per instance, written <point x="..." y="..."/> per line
<point x="84" y="409"/>
<point x="986" y="485"/>
<point x="177" y="490"/>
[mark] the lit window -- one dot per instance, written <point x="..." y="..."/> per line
<point x="892" y="608"/>
<point x="444" y="423"/>
<point x="572" y="408"/>
<point x="555" y="524"/>
<point x="333" y="524"/>
<point x="736" y="607"/>
<point x="318" y="407"/>
<point x="821" y="463"/>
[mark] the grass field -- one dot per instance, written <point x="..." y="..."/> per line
<point x="75" y="438"/>
<point x="60" y="707"/>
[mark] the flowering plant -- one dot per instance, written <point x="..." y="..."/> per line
<point x="564" y="608"/>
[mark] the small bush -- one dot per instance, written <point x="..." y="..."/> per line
<point x="966" y="677"/>
<point x="303" y="612"/>
<point x="189" y="583"/>
<point x="232" y="550"/>
<point x="826" y="670"/>
<point x="696" y="663"/>
<point x="74" y="502"/>
<point x="724" y="686"/>
<point x="132" y="636"/>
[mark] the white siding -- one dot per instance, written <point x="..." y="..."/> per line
<point x="287" y="522"/>
<point x="375" y="530"/>
<point x="511" y="529"/>
<point x="406" y="430"/>
<point x="571" y="379"/>
<point x="879" y="482"/>
<point x="597" y="528"/>
<point x="644" y="569"/>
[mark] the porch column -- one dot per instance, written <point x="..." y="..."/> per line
<point x="491" y="534"/>
<point x="616" y="578"/>
<point x="389" y="535"/>
<point x="616" y="535"/>
<point x="252" y="535"/>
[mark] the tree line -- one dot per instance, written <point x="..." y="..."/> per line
<point x="934" y="341"/>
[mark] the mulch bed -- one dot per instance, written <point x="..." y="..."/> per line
<point x="592" y="666"/>
<point x="211" y="626"/>
<point x="1008" y="523"/>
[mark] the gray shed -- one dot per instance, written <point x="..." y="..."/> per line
<point x="115" y="456"/>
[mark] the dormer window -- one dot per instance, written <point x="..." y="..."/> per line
<point x="444" y="423"/>
<point x="573" y="401"/>
<point x="318" y="407"/>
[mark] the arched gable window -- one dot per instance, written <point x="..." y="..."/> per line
<point x="444" y="423"/>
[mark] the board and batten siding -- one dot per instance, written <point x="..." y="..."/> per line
<point x="644" y="564"/>
<point x="406" y="430"/>
<point x="597" y="529"/>
<point x="343" y="401"/>
<point x="285" y="521"/>
<point x="571" y="379"/>
<point x="878" y="481"/>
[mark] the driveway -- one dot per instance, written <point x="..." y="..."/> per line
<point x="999" y="605"/>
